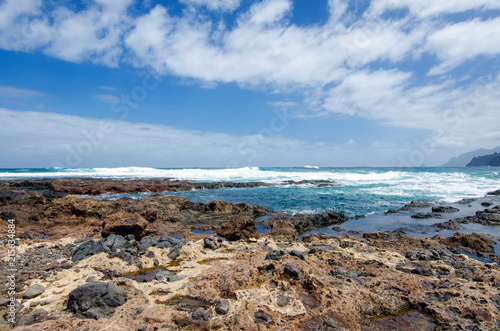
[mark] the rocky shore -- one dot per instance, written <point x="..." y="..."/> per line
<point x="88" y="264"/>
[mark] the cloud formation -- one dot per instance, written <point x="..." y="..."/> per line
<point x="72" y="141"/>
<point x="401" y="63"/>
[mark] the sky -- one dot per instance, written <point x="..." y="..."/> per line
<point x="234" y="83"/>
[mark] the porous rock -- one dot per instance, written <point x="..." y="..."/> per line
<point x="96" y="300"/>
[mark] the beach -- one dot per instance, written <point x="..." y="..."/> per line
<point x="160" y="261"/>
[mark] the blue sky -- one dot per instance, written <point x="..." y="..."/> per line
<point x="231" y="83"/>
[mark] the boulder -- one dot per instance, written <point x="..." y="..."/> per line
<point x="444" y="209"/>
<point x="237" y="229"/>
<point x="476" y="241"/>
<point x="36" y="316"/>
<point x="416" y="204"/>
<point x="33" y="291"/>
<point x="275" y="255"/>
<point x="96" y="300"/>
<point x="124" y="224"/>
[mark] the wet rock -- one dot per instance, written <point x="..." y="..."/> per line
<point x="425" y="215"/>
<point x="307" y="222"/>
<point x="275" y="255"/>
<point x="497" y="192"/>
<point x="293" y="272"/>
<point x="476" y="241"/>
<point x="33" y="291"/>
<point x="416" y="204"/>
<point x="96" y="300"/>
<point x="450" y="225"/>
<point x="261" y="317"/>
<point x="486" y="204"/>
<point x="222" y="307"/>
<point x="124" y="224"/>
<point x="466" y="201"/>
<point x="238" y="229"/>
<point x="298" y="254"/>
<point x="338" y="229"/>
<point x="444" y="209"/>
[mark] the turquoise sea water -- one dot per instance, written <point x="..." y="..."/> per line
<point x="355" y="191"/>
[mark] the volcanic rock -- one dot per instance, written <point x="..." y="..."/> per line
<point x="444" y="209"/>
<point x="96" y="299"/>
<point x="478" y="242"/>
<point x="124" y="224"/>
<point x="237" y="229"/>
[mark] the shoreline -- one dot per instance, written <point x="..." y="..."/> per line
<point x="240" y="278"/>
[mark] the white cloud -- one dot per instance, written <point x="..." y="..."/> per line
<point x="107" y="98"/>
<point x="222" y="5"/>
<point x="40" y="139"/>
<point x="14" y="93"/>
<point x="457" y="43"/>
<point x="356" y="64"/>
<point x="428" y="8"/>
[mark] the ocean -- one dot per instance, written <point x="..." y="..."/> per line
<point x="354" y="191"/>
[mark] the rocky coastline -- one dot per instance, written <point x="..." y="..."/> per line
<point x="89" y="264"/>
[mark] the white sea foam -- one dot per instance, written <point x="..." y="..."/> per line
<point x="447" y="186"/>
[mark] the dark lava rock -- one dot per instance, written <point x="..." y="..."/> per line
<point x="237" y="229"/>
<point x="113" y="243"/>
<point x="202" y="314"/>
<point x="293" y="272"/>
<point x="124" y="224"/>
<point x="33" y="291"/>
<point x="96" y="300"/>
<point x="476" y="241"/>
<point x="314" y="250"/>
<point x="275" y="255"/>
<point x="486" y="204"/>
<point x="261" y="317"/>
<point x="416" y="204"/>
<point x="428" y="255"/>
<point x="86" y="249"/>
<point x="424" y="215"/>
<point x="36" y="316"/>
<point x="298" y="254"/>
<point x="497" y="192"/>
<point x="345" y="272"/>
<point x="222" y="307"/>
<point x="211" y="243"/>
<point x="444" y="209"/>
<point x="450" y="225"/>
<point x="466" y="201"/>
<point x="338" y="229"/>
<point x="146" y="242"/>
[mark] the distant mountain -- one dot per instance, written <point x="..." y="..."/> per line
<point x="491" y="160"/>
<point x="464" y="159"/>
